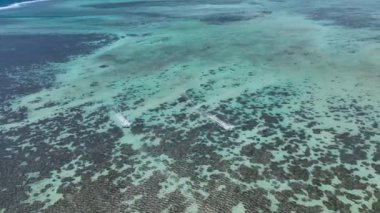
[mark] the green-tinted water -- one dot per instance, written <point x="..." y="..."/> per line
<point x="297" y="81"/>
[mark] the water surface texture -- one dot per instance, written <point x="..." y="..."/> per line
<point x="235" y="106"/>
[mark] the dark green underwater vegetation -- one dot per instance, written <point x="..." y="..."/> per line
<point x="235" y="106"/>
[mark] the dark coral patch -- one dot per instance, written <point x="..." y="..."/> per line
<point x="21" y="54"/>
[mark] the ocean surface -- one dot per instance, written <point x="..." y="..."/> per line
<point x="10" y="4"/>
<point x="190" y="106"/>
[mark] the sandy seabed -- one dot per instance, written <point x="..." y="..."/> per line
<point x="297" y="81"/>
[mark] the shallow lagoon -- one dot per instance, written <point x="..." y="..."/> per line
<point x="299" y="82"/>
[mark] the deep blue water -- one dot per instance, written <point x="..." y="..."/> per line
<point x="4" y="3"/>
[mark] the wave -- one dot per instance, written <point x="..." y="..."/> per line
<point x="20" y="4"/>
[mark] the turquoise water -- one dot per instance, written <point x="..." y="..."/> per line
<point x="235" y="106"/>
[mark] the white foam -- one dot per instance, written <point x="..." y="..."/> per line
<point x="20" y="4"/>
